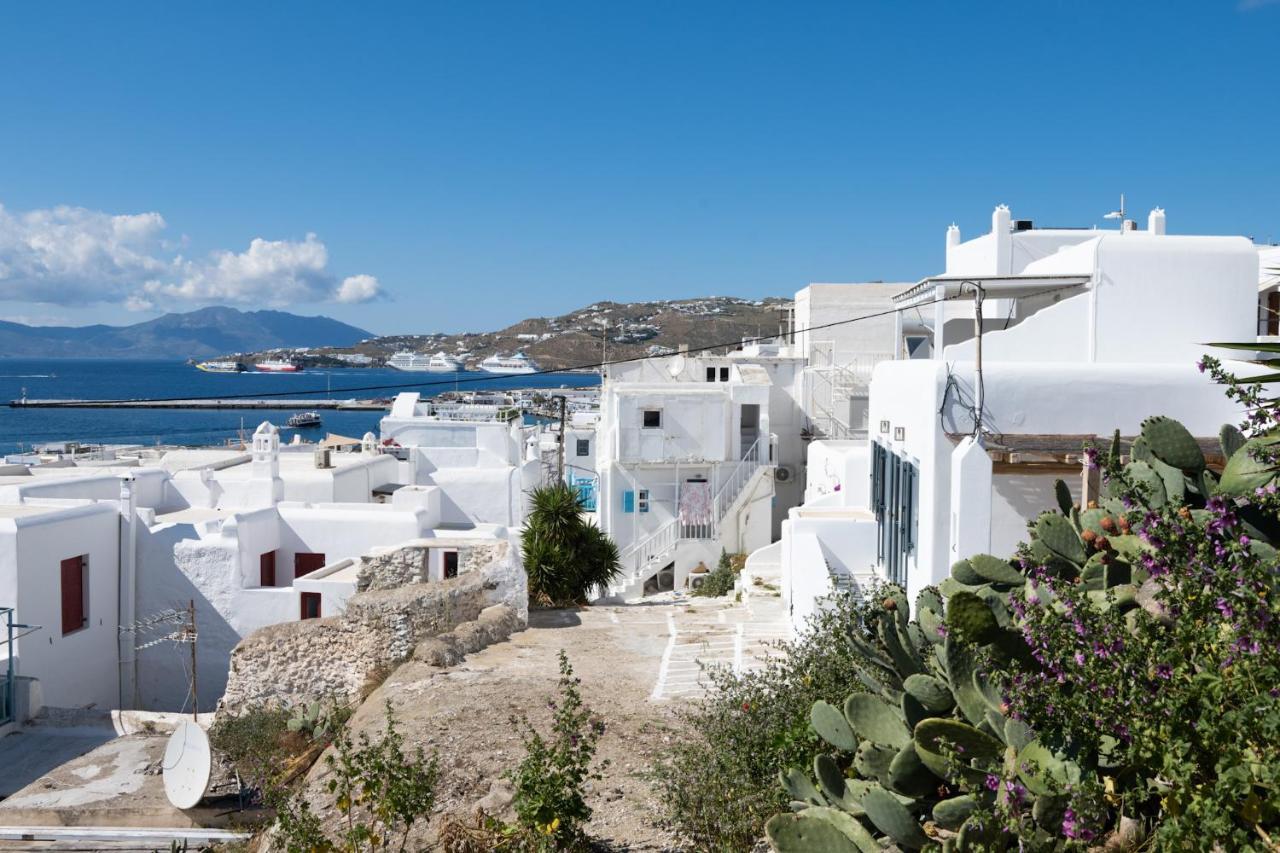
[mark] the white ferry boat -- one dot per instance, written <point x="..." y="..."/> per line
<point x="518" y="363"/>
<point x="276" y="365"/>
<point x="303" y="420"/>
<point x="442" y="362"/>
<point x="220" y="366"/>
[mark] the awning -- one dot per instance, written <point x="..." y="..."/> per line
<point x="995" y="287"/>
<point x="332" y="440"/>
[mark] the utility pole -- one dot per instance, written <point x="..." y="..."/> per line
<point x="560" y="455"/>
<point x="191" y="638"/>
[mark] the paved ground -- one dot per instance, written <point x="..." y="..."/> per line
<point x="32" y="751"/>
<point x="637" y="664"/>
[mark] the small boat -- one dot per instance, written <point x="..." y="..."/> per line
<point x="303" y="420"/>
<point x="277" y="365"/>
<point x="518" y="363"/>
<point x="220" y="366"/>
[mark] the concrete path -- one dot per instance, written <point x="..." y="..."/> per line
<point x="32" y="751"/>
<point x="714" y="632"/>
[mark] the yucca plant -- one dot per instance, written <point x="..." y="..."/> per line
<point x="565" y="556"/>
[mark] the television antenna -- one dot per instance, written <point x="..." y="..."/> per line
<point x="1118" y="214"/>
<point x="187" y="765"/>
<point x="184" y="621"/>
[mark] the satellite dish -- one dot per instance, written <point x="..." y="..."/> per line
<point x="187" y="765"/>
<point x="676" y="366"/>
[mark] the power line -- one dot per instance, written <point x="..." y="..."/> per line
<point x="595" y="365"/>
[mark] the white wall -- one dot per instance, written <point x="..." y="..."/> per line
<point x="78" y="669"/>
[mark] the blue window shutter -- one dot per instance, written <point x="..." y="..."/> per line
<point x="628" y="501"/>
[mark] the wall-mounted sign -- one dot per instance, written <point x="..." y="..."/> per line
<point x="899" y="433"/>
<point x="884" y="427"/>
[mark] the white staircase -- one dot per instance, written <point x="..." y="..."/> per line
<point x="642" y="560"/>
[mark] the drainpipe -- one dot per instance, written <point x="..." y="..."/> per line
<point x="128" y="594"/>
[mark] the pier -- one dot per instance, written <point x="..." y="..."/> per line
<point x="278" y="404"/>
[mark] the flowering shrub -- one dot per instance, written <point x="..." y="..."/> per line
<point x="1125" y="681"/>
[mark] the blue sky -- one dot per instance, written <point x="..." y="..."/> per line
<point x="464" y="165"/>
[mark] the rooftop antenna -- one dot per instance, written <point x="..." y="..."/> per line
<point x="1118" y="214"/>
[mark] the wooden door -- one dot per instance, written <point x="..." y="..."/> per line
<point x="73" y="615"/>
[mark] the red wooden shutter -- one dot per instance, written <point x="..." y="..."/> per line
<point x="72" y="594"/>
<point x="305" y="564"/>
<point x="267" y="569"/>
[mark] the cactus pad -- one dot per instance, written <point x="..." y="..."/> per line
<point x="950" y="814"/>
<point x="872" y="761"/>
<point x="803" y="831"/>
<point x="1060" y="537"/>
<point x="962" y="571"/>
<point x="994" y="570"/>
<point x="1172" y="444"/>
<point x="892" y="818"/>
<point x="1043" y="772"/>
<point x="908" y="776"/>
<point x="831" y="726"/>
<point x="876" y="720"/>
<point x="970" y="620"/>
<point x="930" y="692"/>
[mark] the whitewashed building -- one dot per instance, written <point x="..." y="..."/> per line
<point x="1083" y="332"/>
<point x="251" y="538"/>
<point x="696" y="454"/>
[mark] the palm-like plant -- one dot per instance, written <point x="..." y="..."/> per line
<point x="565" y="556"/>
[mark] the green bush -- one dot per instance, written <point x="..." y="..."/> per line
<point x="720" y="580"/>
<point x="256" y="742"/>
<point x="550" y="784"/>
<point x="550" y="799"/>
<point x="381" y="792"/>
<point x="719" y="780"/>
<point x="566" y="557"/>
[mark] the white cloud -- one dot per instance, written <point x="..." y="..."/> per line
<point x="72" y="255"/>
<point x="359" y="288"/>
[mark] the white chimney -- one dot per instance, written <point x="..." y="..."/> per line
<point x="1002" y="228"/>
<point x="1155" y="220"/>
<point x="1129" y="226"/>
<point x="953" y="235"/>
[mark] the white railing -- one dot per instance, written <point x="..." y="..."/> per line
<point x="649" y="550"/>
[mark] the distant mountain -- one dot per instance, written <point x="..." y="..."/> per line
<point x="632" y="329"/>
<point x="204" y="333"/>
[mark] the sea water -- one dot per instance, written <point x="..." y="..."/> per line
<point x="117" y="379"/>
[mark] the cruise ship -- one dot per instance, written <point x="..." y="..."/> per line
<point x="421" y="363"/>
<point x="220" y="366"/>
<point x="276" y="365"/>
<point x="518" y="363"/>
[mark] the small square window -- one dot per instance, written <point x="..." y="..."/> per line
<point x="711" y="374"/>
<point x="724" y="374"/>
<point x="584" y="447"/>
<point x="652" y="418"/>
<point x="310" y="602"/>
<point x="642" y="500"/>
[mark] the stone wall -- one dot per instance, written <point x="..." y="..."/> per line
<point x="339" y="657"/>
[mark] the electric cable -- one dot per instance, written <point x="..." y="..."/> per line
<point x="594" y="365"/>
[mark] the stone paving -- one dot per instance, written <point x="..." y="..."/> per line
<point x="700" y="633"/>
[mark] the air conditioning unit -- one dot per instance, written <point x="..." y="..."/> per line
<point x="321" y="457"/>
<point x="782" y="473"/>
